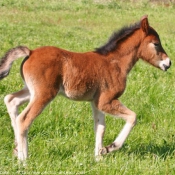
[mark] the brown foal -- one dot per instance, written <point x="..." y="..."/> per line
<point x="98" y="77"/>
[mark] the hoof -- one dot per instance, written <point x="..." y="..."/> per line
<point x="103" y="151"/>
<point x="98" y="158"/>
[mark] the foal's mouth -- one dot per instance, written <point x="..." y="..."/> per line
<point x="166" y="67"/>
<point x="165" y="64"/>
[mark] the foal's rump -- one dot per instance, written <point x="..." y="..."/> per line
<point x="42" y="66"/>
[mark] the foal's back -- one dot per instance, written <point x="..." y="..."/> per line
<point x="78" y="76"/>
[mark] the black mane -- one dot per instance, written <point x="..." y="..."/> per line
<point x="115" y="38"/>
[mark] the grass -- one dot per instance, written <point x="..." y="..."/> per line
<point x="61" y="140"/>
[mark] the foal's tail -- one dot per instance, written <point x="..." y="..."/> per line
<point x="7" y="60"/>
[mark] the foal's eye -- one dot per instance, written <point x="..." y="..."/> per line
<point x="156" y="44"/>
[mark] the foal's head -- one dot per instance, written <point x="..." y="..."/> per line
<point x="151" y="49"/>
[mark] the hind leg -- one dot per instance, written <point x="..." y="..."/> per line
<point x="25" y="119"/>
<point x="13" y="101"/>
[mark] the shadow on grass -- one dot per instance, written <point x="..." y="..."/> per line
<point x="156" y="151"/>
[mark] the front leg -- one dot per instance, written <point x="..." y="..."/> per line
<point x="116" y="108"/>
<point x="99" y="128"/>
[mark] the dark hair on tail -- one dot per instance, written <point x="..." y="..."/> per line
<point x="7" y="60"/>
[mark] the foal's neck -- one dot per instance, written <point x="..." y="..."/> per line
<point x="126" y="54"/>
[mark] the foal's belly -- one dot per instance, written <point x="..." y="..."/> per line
<point x="78" y="94"/>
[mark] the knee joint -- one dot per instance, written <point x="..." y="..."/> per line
<point x="7" y="99"/>
<point x="131" y="118"/>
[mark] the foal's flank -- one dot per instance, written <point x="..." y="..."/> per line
<point x="98" y="77"/>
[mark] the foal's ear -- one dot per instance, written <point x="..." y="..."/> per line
<point x="145" y="24"/>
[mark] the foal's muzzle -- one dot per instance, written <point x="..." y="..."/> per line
<point x="167" y="67"/>
<point x="165" y="64"/>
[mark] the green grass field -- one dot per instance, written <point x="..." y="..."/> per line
<point x="61" y="140"/>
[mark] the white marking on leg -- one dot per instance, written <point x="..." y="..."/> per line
<point x="22" y="132"/>
<point x="99" y="128"/>
<point x="12" y="110"/>
<point x="130" y="118"/>
<point x="13" y="101"/>
<point x="22" y="147"/>
<point x="123" y="135"/>
<point x="130" y="122"/>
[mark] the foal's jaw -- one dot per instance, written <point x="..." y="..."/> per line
<point x="165" y="64"/>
